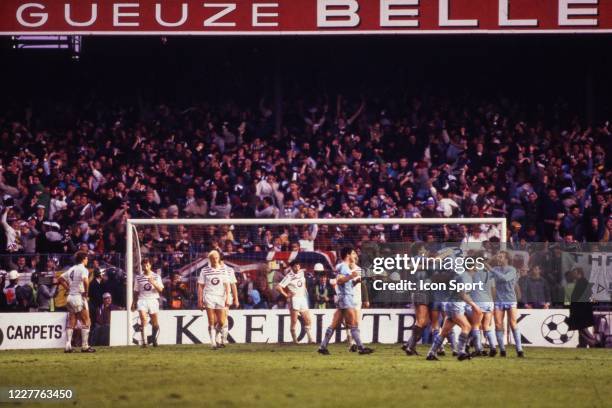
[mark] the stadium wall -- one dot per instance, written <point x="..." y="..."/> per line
<point x="47" y="330"/>
<point x="378" y="325"/>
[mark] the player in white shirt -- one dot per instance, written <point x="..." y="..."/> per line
<point x="213" y="294"/>
<point x="222" y="332"/>
<point x="147" y="287"/>
<point x="293" y="287"/>
<point x="76" y="282"/>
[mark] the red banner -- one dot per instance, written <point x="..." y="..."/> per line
<point x="269" y="17"/>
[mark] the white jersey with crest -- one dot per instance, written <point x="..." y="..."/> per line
<point x="231" y="278"/>
<point x="213" y="280"/>
<point x="75" y="276"/>
<point x="144" y="288"/>
<point x="296" y="283"/>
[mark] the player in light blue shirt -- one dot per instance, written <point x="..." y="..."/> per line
<point x="421" y="300"/>
<point x="484" y="299"/>
<point x="437" y="312"/>
<point x="455" y="315"/>
<point x="346" y="305"/>
<point x="506" y="279"/>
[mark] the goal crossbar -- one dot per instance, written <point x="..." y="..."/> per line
<point x="309" y="221"/>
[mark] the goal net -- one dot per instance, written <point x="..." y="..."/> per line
<point x="259" y="250"/>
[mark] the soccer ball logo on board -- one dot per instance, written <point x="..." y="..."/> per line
<point x="556" y="330"/>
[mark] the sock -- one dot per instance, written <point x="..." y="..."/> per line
<point x="500" y="339"/>
<point x="356" y="337"/>
<point x="417" y="332"/>
<point x="309" y="334"/>
<point x="434" y="333"/>
<point x="294" y="336"/>
<point x="476" y="338"/>
<point x="219" y="335"/>
<point x="213" y="335"/>
<point x="69" y="338"/>
<point x="225" y="332"/>
<point x="517" y="339"/>
<point x="452" y="340"/>
<point x="490" y="334"/>
<point x="436" y="345"/>
<point x="328" y="335"/>
<point x="463" y="338"/>
<point x="155" y="332"/>
<point x="85" y="337"/>
<point x="349" y="337"/>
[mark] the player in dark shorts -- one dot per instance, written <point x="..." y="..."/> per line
<point x="421" y="301"/>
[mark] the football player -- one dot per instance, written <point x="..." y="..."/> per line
<point x="455" y="315"/>
<point x="213" y="294"/>
<point x="484" y="300"/>
<point x="76" y="282"/>
<point x="437" y="313"/>
<point x="506" y="279"/>
<point x="346" y="303"/>
<point x="293" y="288"/>
<point x="147" y="287"/>
<point x="361" y="299"/>
<point x="223" y="331"/>
<point x="421" y="302"/>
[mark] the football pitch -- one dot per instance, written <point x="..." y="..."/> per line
<point x="296" y="376"/>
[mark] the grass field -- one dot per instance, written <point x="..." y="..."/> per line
<point x="296" y="376"/>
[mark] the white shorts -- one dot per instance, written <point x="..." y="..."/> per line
<point x="299" y="303"/>
<point x="150" y="306"/>
<point x="214" y="302"/>
<point x="75" y="303"/>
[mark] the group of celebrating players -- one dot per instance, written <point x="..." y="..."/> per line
<point x="472" y="312"/>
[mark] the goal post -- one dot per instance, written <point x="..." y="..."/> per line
<point x="195" y="230"/>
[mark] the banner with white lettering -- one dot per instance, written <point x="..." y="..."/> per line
<point x="265" y="17"/>
<point x="542" y="328"/>
<point x="32" y="330"/>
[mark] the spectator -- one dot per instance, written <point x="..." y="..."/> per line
<point x="266" y="209"/>
<point x="372" y="157"/>
<point x="97" y="287"/>
<point x="254" y="300"/>
<point x="177" y="293"/>
<point x="323" y="292"/>
<point x="11" y="230"/>
<point x="46" y="288"/>
<point x="101" y="332"/>
<point x="197" y="208"/>
<point x="17" y="298"/>
<point x="21" y="266"/>
<point x="307" y="240"/>
<point x="536" y="293"/>
<point x="581" y="310"/>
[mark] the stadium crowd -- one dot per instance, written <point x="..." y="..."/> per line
<point x="72" y="175"/>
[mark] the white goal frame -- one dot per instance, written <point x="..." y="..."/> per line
<point x="133" y="222"/>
